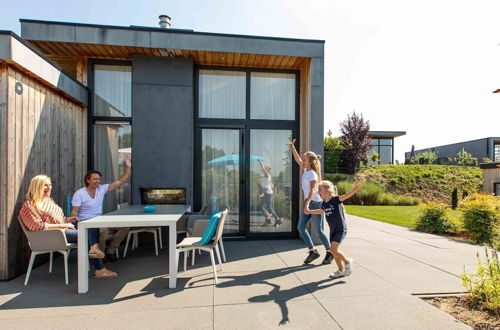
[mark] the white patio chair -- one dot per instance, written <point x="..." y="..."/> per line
<point x="47" y="241"/>
<point x="192" y="243"/>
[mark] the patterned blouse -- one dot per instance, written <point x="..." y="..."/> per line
<point x="36" y="220"/>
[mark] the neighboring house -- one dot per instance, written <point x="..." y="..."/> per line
<point x="486" y="147"/>
<point x="491" y="178"/>
<point x="383" y="144"/>
<point x="195" y="111"/>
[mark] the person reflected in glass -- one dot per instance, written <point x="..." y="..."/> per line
<point x="267" y="194"/>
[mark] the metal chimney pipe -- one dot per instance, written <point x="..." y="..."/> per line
<point x="164" y="21"/>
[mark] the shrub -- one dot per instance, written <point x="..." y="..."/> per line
<point x="406" y="200"/>
<point x="387" y="199"/>
<point x="427" y="157"/>
<point x="370" y="193"/>
<point x="335" y="178"/>
<point x="454" y="198"/>
<point x="333" y="152"/>
<point x="463" y="158"/>
<point x="433" y="219"/>
<point x="396" y="200"/>
<point x="481" y="217"/>
<point x="484" y="287"/>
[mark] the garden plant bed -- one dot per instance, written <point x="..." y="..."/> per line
<point x="459" y="308"/>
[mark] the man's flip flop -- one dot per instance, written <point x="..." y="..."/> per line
<point x="106" y="275"/>
<point x="96" y="255"/>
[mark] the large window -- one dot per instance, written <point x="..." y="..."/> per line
<point x="112" y="90"/>
<point x="272" y="96"/>
<point x="383" y="147"/>
<point x="111" y="126"/>
<point x="222" y="94"/>
<point x="497" y="153"/>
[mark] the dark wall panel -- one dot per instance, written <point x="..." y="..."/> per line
<point x="162" y="126"/>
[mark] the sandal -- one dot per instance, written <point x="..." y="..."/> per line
<point x="96" y="255"/>
<point x="108" y="274"/>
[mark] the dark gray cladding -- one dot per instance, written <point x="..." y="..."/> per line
<point x="162" y="128"/>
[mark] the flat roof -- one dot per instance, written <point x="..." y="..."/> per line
<point x="156" y="37"/>
<point x="489" y="165"/>
<point x="19" y="53"/>
<point x="391" y="134"/>
<point x="495" y="140"/>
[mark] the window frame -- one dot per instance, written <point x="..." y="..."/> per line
<point x="92" y="119"/>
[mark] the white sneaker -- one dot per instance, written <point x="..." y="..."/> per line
<point x="337" y="274"/>
<point x="348" y="266"/>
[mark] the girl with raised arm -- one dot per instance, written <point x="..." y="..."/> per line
<point x="310" y="167"/>
<point x="333" y="209"/>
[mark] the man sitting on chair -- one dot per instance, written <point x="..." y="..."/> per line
<point x="88" y="201"/>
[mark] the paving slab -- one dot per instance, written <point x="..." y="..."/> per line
<point x="183" y="318"/>
<point x="298" y="314"/>
<point x="388" y="312"/>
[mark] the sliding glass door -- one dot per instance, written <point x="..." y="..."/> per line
<point x="244" y="120"/>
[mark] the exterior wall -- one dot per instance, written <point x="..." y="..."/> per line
<point x="162" y="125"/>
<point x="490" y="177"/>
<point x="477" y="148"/>
<point x="41" y="132"/>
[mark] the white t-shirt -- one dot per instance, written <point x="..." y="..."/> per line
<point x="89" y="207"/>
<point x="307" y="177"/>
<point x="266" y="182"/>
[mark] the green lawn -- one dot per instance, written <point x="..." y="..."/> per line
<point x="404" y="216"/>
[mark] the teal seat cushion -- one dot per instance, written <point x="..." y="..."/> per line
<point x="209" y="233"/>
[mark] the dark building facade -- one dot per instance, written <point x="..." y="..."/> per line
<point x="486" y="147"/>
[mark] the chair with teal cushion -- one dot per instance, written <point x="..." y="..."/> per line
<point x="69" y="201"/>
<point x="193" y="243"/>
<point x="209" y="233"/>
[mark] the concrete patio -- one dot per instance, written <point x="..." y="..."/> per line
<point x="263" y="285"/>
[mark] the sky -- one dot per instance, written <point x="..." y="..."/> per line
<point x="426" y="67"/>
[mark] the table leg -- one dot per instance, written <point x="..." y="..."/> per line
<point x="83" y="275"/>
<point x="172" y="258"/>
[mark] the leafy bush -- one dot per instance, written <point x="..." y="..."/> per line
<point x="481" y="217"/>
<point x="396" y="200"/>
<point x="484" y="287"/>
<point x="333" y="152"/>
<point x="427" y="157"/>
<point x="454" y="198"/>
<point x="463" y="158"/>
<point x="433" y="219"/>
<point x="370" y="193"/>
<point x="406" y="200"/>
<point x="335" y="178"/>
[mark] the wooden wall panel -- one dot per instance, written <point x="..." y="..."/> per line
<point x="41" y="132"/>
<point x="3" y="161"/>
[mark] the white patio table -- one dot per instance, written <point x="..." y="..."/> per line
<point x="133" y="216"/>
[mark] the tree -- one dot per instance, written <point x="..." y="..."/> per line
<point x="355" y="141"/>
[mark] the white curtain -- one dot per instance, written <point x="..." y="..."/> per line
<point x="222" y="94"/>
<point x="220" y="173"/>
<point x="272" y="96"/>
<point x="112" y="90"/>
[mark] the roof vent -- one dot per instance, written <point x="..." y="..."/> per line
<point x="165" y="21"/>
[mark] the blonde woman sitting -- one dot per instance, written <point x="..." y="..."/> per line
<point x="40" y="212"/>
